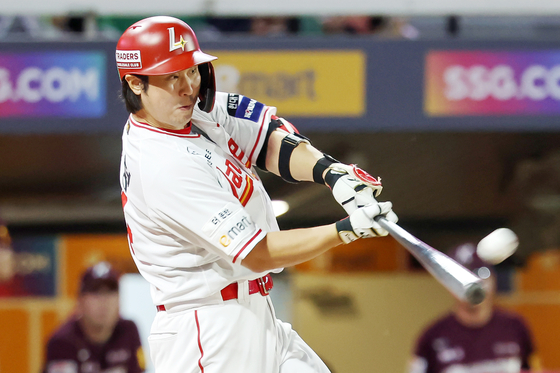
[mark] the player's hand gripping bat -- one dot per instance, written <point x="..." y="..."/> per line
<point x="457" y="279"/>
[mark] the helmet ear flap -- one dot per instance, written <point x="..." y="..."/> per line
<point x="207" y="87"/>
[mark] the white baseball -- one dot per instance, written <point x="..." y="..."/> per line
<point x="497" y="246"/>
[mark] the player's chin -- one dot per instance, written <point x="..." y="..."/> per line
<point x="183" y="116"/>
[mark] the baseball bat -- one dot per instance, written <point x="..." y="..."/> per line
<point x="458" y="280"/>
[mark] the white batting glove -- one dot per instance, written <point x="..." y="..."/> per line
<point x="361" y="223"/>
<point x="351" y="186"/>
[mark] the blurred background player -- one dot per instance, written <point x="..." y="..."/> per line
<point x="96" y="339"/>
<point x="475" y="338"/>
<point x="7" y="269"/>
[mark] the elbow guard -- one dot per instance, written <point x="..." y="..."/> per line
<point x="289" y="143"/>
<point x="261" y="159"/>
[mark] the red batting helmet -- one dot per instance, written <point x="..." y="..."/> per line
<point x="164" y="45"/>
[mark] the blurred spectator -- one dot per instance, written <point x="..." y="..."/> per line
<point x="452" y="25"/>
<point x="475" y="338"/>
<point x="7" y="264"/>
<point x="274" y="26"/>
<point x="77" y="24"/>
<point x="358" y="25"/>
<point x="369" y="25"/>
<point x="96" y="339"/>
<point x="230" y="24"/>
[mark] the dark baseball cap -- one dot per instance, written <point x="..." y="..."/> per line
<point x="465" y="254"/>
<point x="98" y="277"/>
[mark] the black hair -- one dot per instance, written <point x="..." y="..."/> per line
<point x="131" y="100"/>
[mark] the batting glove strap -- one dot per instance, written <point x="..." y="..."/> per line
<point x="320" y="167"/>
<point x="345" y="231"/>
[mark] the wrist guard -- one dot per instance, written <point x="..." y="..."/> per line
<point x="320" y="167"/>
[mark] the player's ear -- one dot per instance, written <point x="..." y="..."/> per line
<point x="135" y="83"/>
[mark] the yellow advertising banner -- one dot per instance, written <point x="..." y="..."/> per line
<point x="301" y="83"/>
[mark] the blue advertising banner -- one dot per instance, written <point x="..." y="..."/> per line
<point x="56" y="87"/>
<point x="365" y="84"/>
<point x="53" y="84"/>
<point x="30" y="269"/>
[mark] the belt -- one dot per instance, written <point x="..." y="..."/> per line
<point x="260" y="285"/>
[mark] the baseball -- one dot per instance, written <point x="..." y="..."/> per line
<point x="497" y="246"/>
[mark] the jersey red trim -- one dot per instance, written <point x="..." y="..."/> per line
<point x="259" y="135"/>
<point x="185" y="132"/>
<point x="247" y="244"/>
<point x="199" y="342"/>
<point x="130" y="239"/>
<point x="248" y="192"/>
<point x="124" y="199"/>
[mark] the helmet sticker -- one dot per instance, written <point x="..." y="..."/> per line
<point x="129" y="59"/>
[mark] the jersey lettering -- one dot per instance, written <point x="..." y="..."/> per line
<point x="125" y="177"/>
<point x="241" y="225"/>
<point x="231" y="230"/>
<point x="233" y="102"/>
<point x="234" y="174"/>
<point x="63" y="366"/>
<point x="235" y="151"/>
<point x="241" y="184"/>
<point x="124" y="200"/>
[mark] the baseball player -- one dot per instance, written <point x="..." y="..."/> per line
<point x="6" y="254"/>
<point x="200" y="224"/>
<point x="95" y="339"/>
<point x="476" y="339"/>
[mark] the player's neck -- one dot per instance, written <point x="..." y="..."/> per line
<point x="142" y="117"/>
<point x="95" y="333"/>
<point x="474" y="316"/>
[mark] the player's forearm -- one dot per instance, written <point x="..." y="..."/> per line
<point x="302" y="160"/>
<point x="291" y="247"/>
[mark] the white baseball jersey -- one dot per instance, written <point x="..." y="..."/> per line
<point x="193" y="204"/>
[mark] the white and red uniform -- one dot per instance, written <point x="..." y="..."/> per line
<point x="194" y="208"/>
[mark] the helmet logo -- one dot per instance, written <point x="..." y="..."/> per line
<point x="175" y="44"/>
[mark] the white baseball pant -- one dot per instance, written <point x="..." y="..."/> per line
<point x="237" y="336"/>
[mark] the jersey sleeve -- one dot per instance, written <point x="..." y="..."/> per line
<point x="422" y="345"/>
<point x="526" y="342"/>
<point x="61" y="357"/>
<point x="422" y="361"/>
<point x="137" y="364"/>
<point x="245" y="121"/>
<point x="199" y="207"/>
